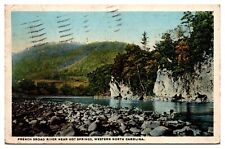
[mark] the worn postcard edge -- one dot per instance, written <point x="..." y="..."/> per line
<point x="113" y="140"/>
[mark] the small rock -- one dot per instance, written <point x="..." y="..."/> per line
<point x="43" y="122"/>
<point x="40" y="107"/>
<point x="95" y="133"/>
<point x="196" y="132"/>
<point x="33" y="122"/>
<point x="128" y="134"/>
<point x="92" y="127"/>
<point x="188" y="123"/>
<point x="14" y="121"/>
<point x="141" y="118"/>
<point x="60" y="112"/>
<point x="103" y="118"/>
<point x="67" y="132"/>
<point x="88" y="122"/>
<point x="120" y="121"/>
<point x="146" y="131"/>
<point x="162" y="118"/>
<point x="159" y="131"/>
<point x="122" y="127"/>
<point x="54" y="127"/>
<point x="41" y="134"/>
<point x="148" y="113"/>
<point x="185" y="131"/>
<point x="108" y="133"/>
<point x="70" y="119"/>
<point x="171" y="123"/>
<point x="132" y="123"/>
<point x="49" y="114"/>
<point x="54" y="120"/>
<point x="155" y="115"/>
<point x="135" y="130"/>
<point x="114" y="118"/>
<point x="98" y="112"/>
<point x="83" y="128"/>
<point x="210" y="129"/>
<point x="150" y="124"/>
<point x="115" y="132"/>
<point x="39" y="118"/>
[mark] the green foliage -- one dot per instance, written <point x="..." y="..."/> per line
<point x="166" y="51"/>
<point x="46" y="89"/>
<point x="53" y="61"/>
<point x="136" y="68"/>
<point x="41" y="62"/>
<point x="192" y="45"/>
<point x="67" y="90"/>
<point x="144" y="41"/>
<point x="97" y="58"/>
<point x="201" y="40"/>
<point x="24" y="86"/>
<point x="99" y="80"/>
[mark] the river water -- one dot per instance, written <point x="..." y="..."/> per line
<point x="197" y="113"/>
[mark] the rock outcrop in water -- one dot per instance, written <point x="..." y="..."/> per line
<point x="188" y="85"/>
<point x="44" y="118"/>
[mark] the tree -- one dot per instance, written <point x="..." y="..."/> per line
<point x="166" y="48"/>
<point x="200" y="25"/>
<point x="144" y="41"/>
<point x="99" y="80"/>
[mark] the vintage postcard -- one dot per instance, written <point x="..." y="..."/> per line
<point x="112" y="74"/>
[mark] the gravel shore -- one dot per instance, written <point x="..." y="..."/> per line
<point x="45" y="118"/>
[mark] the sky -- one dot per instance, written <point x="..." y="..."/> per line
<point x="101" y="26"/>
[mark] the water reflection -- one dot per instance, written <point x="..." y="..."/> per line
<point x="122" y="103"/>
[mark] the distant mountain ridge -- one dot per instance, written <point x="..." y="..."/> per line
<point x="61" y="61"/>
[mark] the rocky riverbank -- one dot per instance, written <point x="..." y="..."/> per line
<point x="45" y="118"/>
